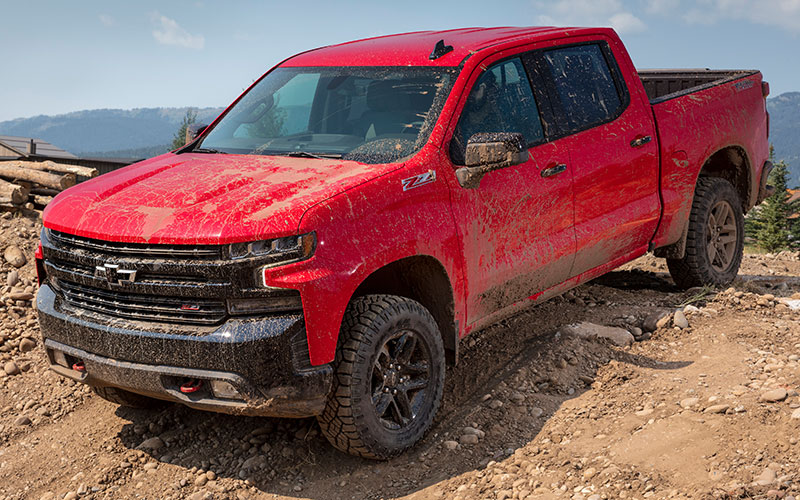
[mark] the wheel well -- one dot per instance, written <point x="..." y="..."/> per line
<point x="731" y="163"/>
<point x="424" y="279"/>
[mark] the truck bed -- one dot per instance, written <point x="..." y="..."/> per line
<point x="697" y="114"/>
<point x="665" y="84"/>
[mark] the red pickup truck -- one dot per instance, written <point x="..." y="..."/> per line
<point x="323" y="246"/>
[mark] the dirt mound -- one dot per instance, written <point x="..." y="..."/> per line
<point x="704" y="405"/>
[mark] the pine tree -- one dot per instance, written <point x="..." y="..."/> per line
<point x="179" y="140"/>
<point x="794" y="225"/>
<point x="773" y="216"/>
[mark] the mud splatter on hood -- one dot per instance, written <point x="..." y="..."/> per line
<point x="203" y="199"/>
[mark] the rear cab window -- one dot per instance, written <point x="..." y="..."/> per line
<point x="585" y="85"/>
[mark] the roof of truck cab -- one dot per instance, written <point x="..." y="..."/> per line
<point x="414" y="49"/>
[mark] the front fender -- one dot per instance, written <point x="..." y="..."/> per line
<point x="360" y="231"/>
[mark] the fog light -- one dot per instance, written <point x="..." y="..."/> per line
<point x="275" y="304"/>
<point x="59" y="358"/>
<point x="224" y="390"/>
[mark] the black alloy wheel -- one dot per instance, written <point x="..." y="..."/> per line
<point x="400" y="378"/>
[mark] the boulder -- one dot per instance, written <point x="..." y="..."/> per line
<point x="618" y="336"/>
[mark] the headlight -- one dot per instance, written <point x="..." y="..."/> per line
<point x="279" y="250"/>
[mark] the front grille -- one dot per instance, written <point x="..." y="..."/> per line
<point x="145" y="277"/>
<point x="144" y="307"/>
<point x="169" y="284"/>
<point x="112" y="248"/>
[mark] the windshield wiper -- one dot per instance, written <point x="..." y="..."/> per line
<point x="306" y="154"/>
<point x="208" y="150"/>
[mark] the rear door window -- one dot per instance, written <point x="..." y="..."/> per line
<point x="501" y="100"/>
<point x="583" y="85"/>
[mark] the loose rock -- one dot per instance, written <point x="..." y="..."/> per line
<point x="650" y="323"/>
<point x="22" y="420"/>
<point x="14" y="256"/>
<point x="154" y="443"/>
<point x="774" y="396"/>
<point x="664" y="321"/>
<point x="450" y="445"/>
<point x="717" y="409"/>
<point x="766" y="478"/>
<point x="254" y="462"/>
<point x="26" y="345"/>
<point x="679" y="320"/>
<point x="24" y="296"/>
<point x="689" y="402"/>
<point x="468" y="439"/>
<point x="11" y="368"/>
<point x="618" y="336"/>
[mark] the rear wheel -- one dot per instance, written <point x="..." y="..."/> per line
<point x="127" y="398"/>
<point x="715" y="239"/>
<point x="388" y="378"/>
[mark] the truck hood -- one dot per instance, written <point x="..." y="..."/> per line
<point x="203" y="198"/>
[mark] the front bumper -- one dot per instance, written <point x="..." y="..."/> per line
<point x="264" y="359"/>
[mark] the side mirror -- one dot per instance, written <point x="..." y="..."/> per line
<point x="194" y="130"/>
<point x="490" y="151"/>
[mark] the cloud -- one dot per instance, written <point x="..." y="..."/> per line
<point x="107" y="20"/>
<point x="662" y="6"/>
<point x="169" y="32"/>
<point x="625" y="22"/>
<point x="589" y="13"/>
<point x="783" y="14"/>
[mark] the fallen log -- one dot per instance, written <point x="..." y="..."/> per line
<point x="60" y="168"/>
<point x="44" y="191"/>
<point x="41" y="200"/>
<point x="13" y="193"/>
<point x="46" y="179"/>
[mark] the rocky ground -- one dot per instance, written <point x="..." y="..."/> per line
<point x="684" y="395"/>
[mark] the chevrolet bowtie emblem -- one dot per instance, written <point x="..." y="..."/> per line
<point x="113" y="274"/>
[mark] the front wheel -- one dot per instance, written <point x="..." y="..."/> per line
<point x="715" y="239"/>
<point x="388" y="377"/>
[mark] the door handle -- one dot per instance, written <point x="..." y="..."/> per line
<point x="640" y="141"/>
<point x="555" y="170"/>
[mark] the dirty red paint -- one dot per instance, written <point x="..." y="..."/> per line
<point x="517" y="238"/>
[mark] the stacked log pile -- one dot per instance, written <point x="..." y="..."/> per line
<point x="32" y="185"/>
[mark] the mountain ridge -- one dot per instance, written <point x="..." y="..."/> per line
<point x="106" y="130"/>
<point x="784" y="133"/>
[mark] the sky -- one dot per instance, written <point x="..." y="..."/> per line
<point x="68" y="56"/>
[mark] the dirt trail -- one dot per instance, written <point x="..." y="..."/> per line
<point x="529" y="412"/>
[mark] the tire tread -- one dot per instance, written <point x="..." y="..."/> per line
<point x="693" y="269"/>
<point x="340" y="421"/>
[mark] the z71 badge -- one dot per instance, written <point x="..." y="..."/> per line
<point x="419" y="180"/>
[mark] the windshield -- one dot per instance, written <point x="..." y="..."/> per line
<point x="366" y="114"/>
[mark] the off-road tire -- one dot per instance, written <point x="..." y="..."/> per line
<point x="350" y="420"/>
<point x="695" y="268"/>
<point x="127" y="398"/>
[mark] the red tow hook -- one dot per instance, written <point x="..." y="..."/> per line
<point x="191" y="386"/>
<point x="79" y="367"/>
